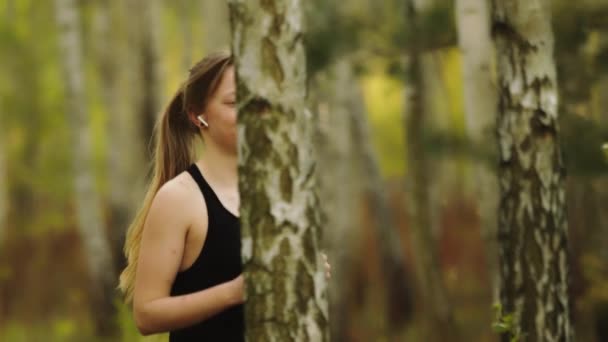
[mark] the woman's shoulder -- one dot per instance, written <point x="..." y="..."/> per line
<point x="178" y="193"/>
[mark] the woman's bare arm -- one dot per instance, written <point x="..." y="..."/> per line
<point x="160" y="256"/>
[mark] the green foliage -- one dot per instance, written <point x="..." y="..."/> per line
<point x="505" y="324"/>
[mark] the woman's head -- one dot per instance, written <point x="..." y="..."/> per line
<point x="216" y="116"/>
<point x="209" y="93"/>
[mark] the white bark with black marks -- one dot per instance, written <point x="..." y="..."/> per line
<point x="281" y="225"/>
<point x="87" y="203"/>
<point x="533" y="243"/>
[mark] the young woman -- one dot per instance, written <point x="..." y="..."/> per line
<point x="183" y="248"/>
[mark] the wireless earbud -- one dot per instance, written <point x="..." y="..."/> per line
<point x="200" y="118"/>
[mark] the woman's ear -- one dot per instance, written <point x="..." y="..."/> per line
<point x="197" y="119"/>
<point x="202" y="120"/>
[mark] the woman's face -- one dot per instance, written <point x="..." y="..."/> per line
<point x="220" y="114"/>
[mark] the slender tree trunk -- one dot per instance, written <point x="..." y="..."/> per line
<point x="532" y="230"/>
<point x="3" y="187"/>
<point x="480" y="108"/>
<point x="603" y="100"/>
<point x="123" y="163"/>
<point x="392" y="256"/>
<point x="339" y="188"/>
<point x="151" y="70"/>
<point x="88" y="208"/>
<point x="437" y="310"/>
<point x="185" y="10"/>
<point x="281" y="225"/>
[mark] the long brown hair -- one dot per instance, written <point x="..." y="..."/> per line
<point x="174" y="134"/>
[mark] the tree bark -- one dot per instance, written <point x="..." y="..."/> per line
<point x="281" y="223"/>
<point x="88" y="207"/>
<point x="480" y="108"/>
<point x="532" y="230"/>
<point x="437" y="310"/>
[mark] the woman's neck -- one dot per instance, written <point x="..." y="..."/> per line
<point x="220" y="166"/>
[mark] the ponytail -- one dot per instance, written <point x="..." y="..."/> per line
<point x="172" y="155"/>
<point x="174" y="135"/>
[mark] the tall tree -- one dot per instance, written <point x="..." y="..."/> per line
<point x="185" y="24"/>
<point x="151" y="73"/>
<point x="437" y="310"/>
<point x="87" y="203"/>
<point x="392" y="256"/>
<point x="3" y="187"/>
<point x="339" y="186"/>
<point x="123" y="141"/>
<point x="480" y="107"/>
<point x="532" y="231"/>
<point x="3" y="173"/>
<point x="281" y="226"/>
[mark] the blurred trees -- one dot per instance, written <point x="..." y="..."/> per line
<point x="88" y="205"/>
<point x="436" y="307"/>
<point x="480" y="99"/>
<point x="339" y="187"/>
<point x="116" y="69"/>
<point x="3" y="188"/>
<point x="398" y="287"/>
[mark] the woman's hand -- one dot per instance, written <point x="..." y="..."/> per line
<point x="327" y="266"/>
<point x="238" y="289"/>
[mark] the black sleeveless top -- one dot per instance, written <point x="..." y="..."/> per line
<point x="219" y="261"/>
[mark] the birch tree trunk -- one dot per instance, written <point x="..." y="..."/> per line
<point x="3" y="188"/>
<point x="281" y="226"/>
<point x="480" y="108"/>
<point x="392" y="256"/>
<point x="151" y="75"/>
<point x="339" y="187"/>
<point x="185" y="10"/>
<point x="437" y="310"/>
<point x="124" y="164"/>
<point x="88" y="207"/>
<point x="532" y="231"/>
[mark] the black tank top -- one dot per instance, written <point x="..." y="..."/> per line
<point x="219" y="261"/>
